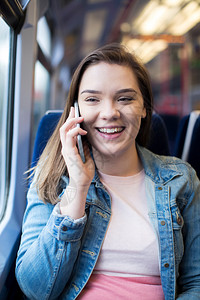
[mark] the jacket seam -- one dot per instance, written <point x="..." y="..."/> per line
<point x="55" y="273"/>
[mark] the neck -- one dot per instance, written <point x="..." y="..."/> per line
<point x="123" y="165"/>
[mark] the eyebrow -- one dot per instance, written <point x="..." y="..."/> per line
<point x="128" y="90"/>
<point x="91" y="92"/>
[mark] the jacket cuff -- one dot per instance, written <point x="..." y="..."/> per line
<point x="64" y="227"/>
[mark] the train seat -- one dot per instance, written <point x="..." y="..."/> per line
<point x="158" y="142"/>
<point x="171" y="122"/>
<point x="158" y="139"/>
<point x="45" y="129"/>
<point x="188" y="140"/>
<point x="180" y="137"/>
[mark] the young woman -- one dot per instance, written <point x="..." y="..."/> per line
<point x="126" y="223"/>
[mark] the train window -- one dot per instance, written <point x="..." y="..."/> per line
<point x="42" y="75"/>
<point x="44" y="36"/>
<point x="41" y="91"/>
<point x="4" y="78"/>
<point x="24" y="3"/>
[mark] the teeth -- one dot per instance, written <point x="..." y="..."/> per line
<point x="110" y="130"/>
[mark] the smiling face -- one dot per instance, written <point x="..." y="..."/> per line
<point x="112" y="106"/>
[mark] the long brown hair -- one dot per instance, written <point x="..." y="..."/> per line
<point x="51" y="165"/>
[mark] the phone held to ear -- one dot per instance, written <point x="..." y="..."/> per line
<point x="79" y="140"/>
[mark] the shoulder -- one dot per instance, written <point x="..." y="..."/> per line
<point x="158" y="166"/>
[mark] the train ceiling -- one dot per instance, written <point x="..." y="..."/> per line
<point x="146" y="27"/>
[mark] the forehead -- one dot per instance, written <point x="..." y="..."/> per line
<point x="106" y="73"/>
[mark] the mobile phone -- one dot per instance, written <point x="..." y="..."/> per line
<point x="79" y="140"/>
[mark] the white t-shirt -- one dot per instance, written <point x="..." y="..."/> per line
<point x="130" y="247"/>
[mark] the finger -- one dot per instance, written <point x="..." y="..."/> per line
<point x="71" y="136"/>
<point x="71" y="122"/>
<point x="69" y="125"/>
<point x="71" y="119"/>
<point x="69" y="139"/>
<point x="72" y="112"/>
<point x="72" y="133"/>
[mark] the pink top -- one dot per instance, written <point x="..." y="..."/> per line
<point x="103" y="287"/>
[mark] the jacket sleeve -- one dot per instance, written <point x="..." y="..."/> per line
<point x="48" y="250"/>
<point x="189" y="270"/>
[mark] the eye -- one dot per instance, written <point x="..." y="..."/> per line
<point x="126" y="99"/>
<point x="92" y="99"/>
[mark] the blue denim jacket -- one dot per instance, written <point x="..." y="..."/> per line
<point x="57" y="254"/>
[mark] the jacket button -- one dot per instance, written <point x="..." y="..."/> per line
<point x="64" y="228"/>
<point x="162" y="223"/>
<point x="166" y="265"/>
<point x="179" y="220"/>
<point x="160" y="188"/>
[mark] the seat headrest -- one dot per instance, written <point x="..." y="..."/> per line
<point x="45" y="129"/>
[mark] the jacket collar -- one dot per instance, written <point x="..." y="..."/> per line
<point x="161" y="169"/>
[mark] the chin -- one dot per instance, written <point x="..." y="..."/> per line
<point x="109" y="151"/>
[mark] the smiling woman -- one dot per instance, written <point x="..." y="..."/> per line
<point x="111" y="227"/>
<point x="112" y="109"/>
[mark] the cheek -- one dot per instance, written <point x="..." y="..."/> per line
<point x="135" y="124"/>
<point x="87" y="115"/>
<point x="133" y="120"/>
<point x="133" y="114"/>
<point x="139" y="110"/>
<point x="135" y="109"/>
<point x="88" y="122"/>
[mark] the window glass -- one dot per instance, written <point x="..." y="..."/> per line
<point x="44" y="36"/>
<point x="42" y="77"/>
<point x="24" y="3"/>
<point x="41" y="95"/>
<point x="4" y="73"/>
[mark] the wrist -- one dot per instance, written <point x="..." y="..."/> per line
<point x="73" y="201"/>
<point x="78" y="186"/>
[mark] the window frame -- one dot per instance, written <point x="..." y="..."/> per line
<point x="13" y="14"/>
<point x="9" y="117"/>
<point x="10" y="224"/>
<point x="20" y="111"/>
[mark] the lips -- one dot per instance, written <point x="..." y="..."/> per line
<point x="110" y="133"/>
<point x="110" y="130"/>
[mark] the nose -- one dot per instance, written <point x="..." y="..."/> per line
<point x="110" y="111"/>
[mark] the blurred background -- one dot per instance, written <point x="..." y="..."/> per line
<point x="164" y="33"/>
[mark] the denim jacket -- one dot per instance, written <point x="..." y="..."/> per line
<point x="57" y="254"/>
